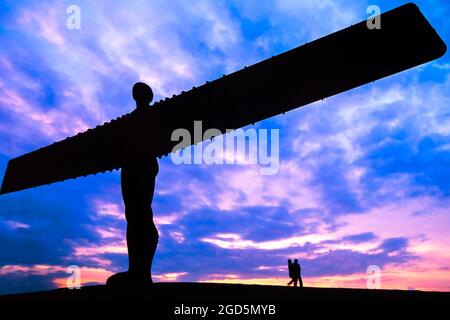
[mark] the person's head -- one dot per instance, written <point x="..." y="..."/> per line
<point x="142" y="94"/>
<point x="296" y="261"/>
<point x="289" y="261"/>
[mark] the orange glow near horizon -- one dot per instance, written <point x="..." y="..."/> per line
<point x="390" y="280"/>
<point x="392" y="277"/>
<point x="424" y="275"/>
<point x="87" y="275"/>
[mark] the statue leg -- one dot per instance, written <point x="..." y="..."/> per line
<point x="142" y="240"/>
<point x="142" y="234"/>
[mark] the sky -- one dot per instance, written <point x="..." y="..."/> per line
<point x="363" y="177"/>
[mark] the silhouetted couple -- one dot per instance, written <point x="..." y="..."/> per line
<point x="295" y="273"/>
<point x="138" y="185"/>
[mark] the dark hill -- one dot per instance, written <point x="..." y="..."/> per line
<point x="163" y="299"/>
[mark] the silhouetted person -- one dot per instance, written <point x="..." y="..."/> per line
<point x="291" y="274"/>
<point x="138" y="184"/>
<point x="297" y="273"/>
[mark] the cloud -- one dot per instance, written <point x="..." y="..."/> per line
<point x="19" y="278"/>
<point x="46" y="25"/>
<point x="11" y="224"/>
<point x="358" y="238"/>
<point x="169" y="277"/>
<point x="394" y="245"/>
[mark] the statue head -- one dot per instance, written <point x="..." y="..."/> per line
<point x="142" y="94"/>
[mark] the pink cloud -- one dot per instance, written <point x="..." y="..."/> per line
<point x="96" y="250"/>
<point x="45" y="22"/>
<point x="168" y="277"/>
<point x="109" y="209"/>
<point x="12" y="224"/>
<point x="34" y="269"/>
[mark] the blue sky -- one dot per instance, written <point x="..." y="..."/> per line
<point x="363" y="177"/>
